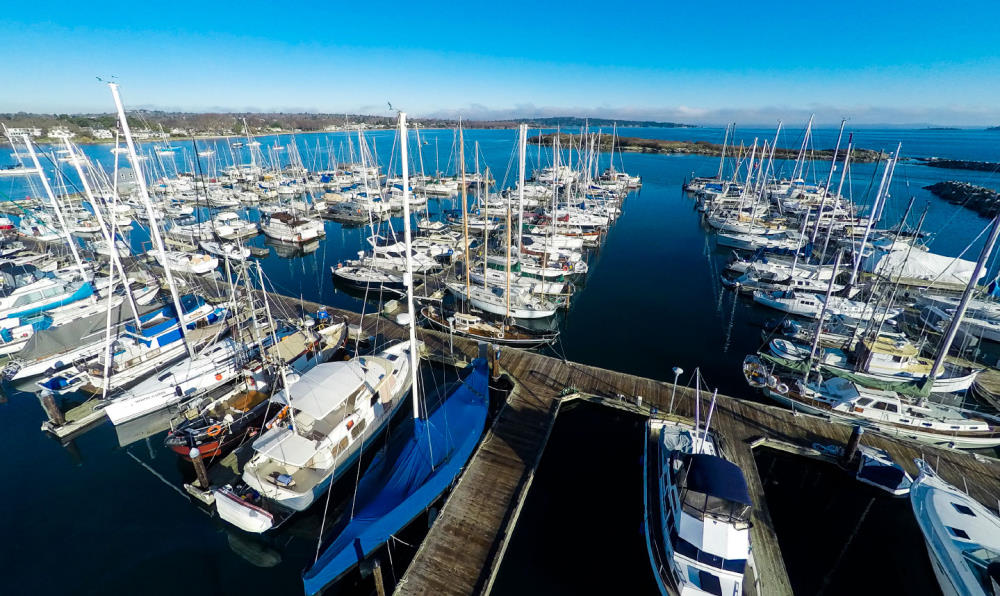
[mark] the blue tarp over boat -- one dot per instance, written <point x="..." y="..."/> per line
<point x="403" y="481"/>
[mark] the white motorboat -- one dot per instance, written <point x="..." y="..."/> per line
<point x="962" y="536"/>
<point x="183" y="262"/>
<point x="225" y="250"/>
<point x="698" y="508"/>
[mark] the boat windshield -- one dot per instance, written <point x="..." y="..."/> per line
<point x="701" y="505"/>
<point x="983" y="563"/>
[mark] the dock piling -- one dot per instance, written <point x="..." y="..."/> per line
<point x="377" y="572"/>
<point x="52" y="410"/>
<point x="199" y="468"/>
<point x="852" y="444"/>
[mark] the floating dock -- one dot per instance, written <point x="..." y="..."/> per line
<point x="464" y="549"/>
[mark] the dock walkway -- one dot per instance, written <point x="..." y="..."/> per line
<point x="464" y="549"/>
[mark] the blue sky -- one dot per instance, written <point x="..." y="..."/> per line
<point x="698" y="62"/>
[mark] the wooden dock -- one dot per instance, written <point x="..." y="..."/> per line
<point x="464" y="549"/>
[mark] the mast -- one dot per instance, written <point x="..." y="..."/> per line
<point x="963" y="304"/>
<point x="722" y="158"/>
<point x="522" y="150"/>
<point x="465" y="218"/>
<point x="154" y="227"/>
<point x="840" y="186"/>
<point x="800" y="160"/>
<point x="822" y="315"/>
<point x="829" y="179"/>
<point x="486" y="227"/>
<point x="408" y="280"/>
<point x="109" y="237"/>
<point x="879" y="195"/>
<point x="55" y="203"/>
<point x="506" y="292"/>
<point x="892" y="171"/>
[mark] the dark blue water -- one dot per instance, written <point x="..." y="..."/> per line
<point x="88" y="518"/>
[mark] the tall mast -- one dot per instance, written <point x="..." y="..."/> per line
<point x="722" y="158"/>
<point x="822" y="315"/>
<point x="963" y="304"/>
<point x="522" y="150"/>
<point x="465" y="218"/>
<point x="879" y="195"/>
<point x="829" y="179"/>
<point x="408" y="281"/>
<point x="840" y="187"/>
<point x="486" y="227"/>
<point x="108" y="234"/>
<point x="800" y="160"/>
<point x="506" y="291"/>
<point x="55" y="203"/>
<point x="154" y="227"/>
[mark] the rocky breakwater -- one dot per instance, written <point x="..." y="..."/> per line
<point x="958" y="164"/>
<point x="980" y="199"/>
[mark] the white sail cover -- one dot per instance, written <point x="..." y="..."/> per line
<point x="905" y="264"/>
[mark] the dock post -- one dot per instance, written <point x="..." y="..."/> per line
<point x="52" y="410"/>
<point x="852" y="444"/>
<point x="199" y="467"/>
<point x="377" y="572"/>
<point x="494" y="358"/>
<point x="451" y="335"/>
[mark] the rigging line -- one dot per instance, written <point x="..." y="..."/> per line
<point x="159" y="476"/>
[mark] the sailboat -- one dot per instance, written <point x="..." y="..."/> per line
<point x="420" y="462"/>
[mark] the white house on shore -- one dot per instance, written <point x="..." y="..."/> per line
<point x="61" y="132"/>
<point x="101" y="133"/>
<point x="20" y="132"/>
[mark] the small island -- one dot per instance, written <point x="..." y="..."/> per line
<point x="665" y="147"/>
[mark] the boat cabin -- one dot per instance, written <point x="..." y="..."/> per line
<point x="892" y="355"/>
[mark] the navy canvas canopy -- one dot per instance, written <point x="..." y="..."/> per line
<point x="717" y="477"/>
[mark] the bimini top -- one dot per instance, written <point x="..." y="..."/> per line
<point x="327" y="386"/>
<point x="717" y="477"/>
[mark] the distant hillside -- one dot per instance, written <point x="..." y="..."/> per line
<point x="993" y="128"/>
<point x="187" y="124"/>
<point x="574" y="121"/>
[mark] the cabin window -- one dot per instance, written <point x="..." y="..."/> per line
<point x="710" y="583"/>
<point x="958" y="532"/>
<point x="864" y="401"/>
<point x="881" y="405"/>
<point x="953" y="427"/>
<point x="927" y="424"/>
<point x="963" y="509"/>
<point x="358" y="428"/>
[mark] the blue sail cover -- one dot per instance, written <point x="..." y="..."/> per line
<point x="402" y="481"/>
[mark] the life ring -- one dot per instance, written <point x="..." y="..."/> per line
<point x="214" y="430"/>
<point x="781" y="388"/>
<point x="218" y="376"/>
<point x="565" y="267"/>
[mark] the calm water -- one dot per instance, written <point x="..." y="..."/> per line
<point x="93" y="518"/>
